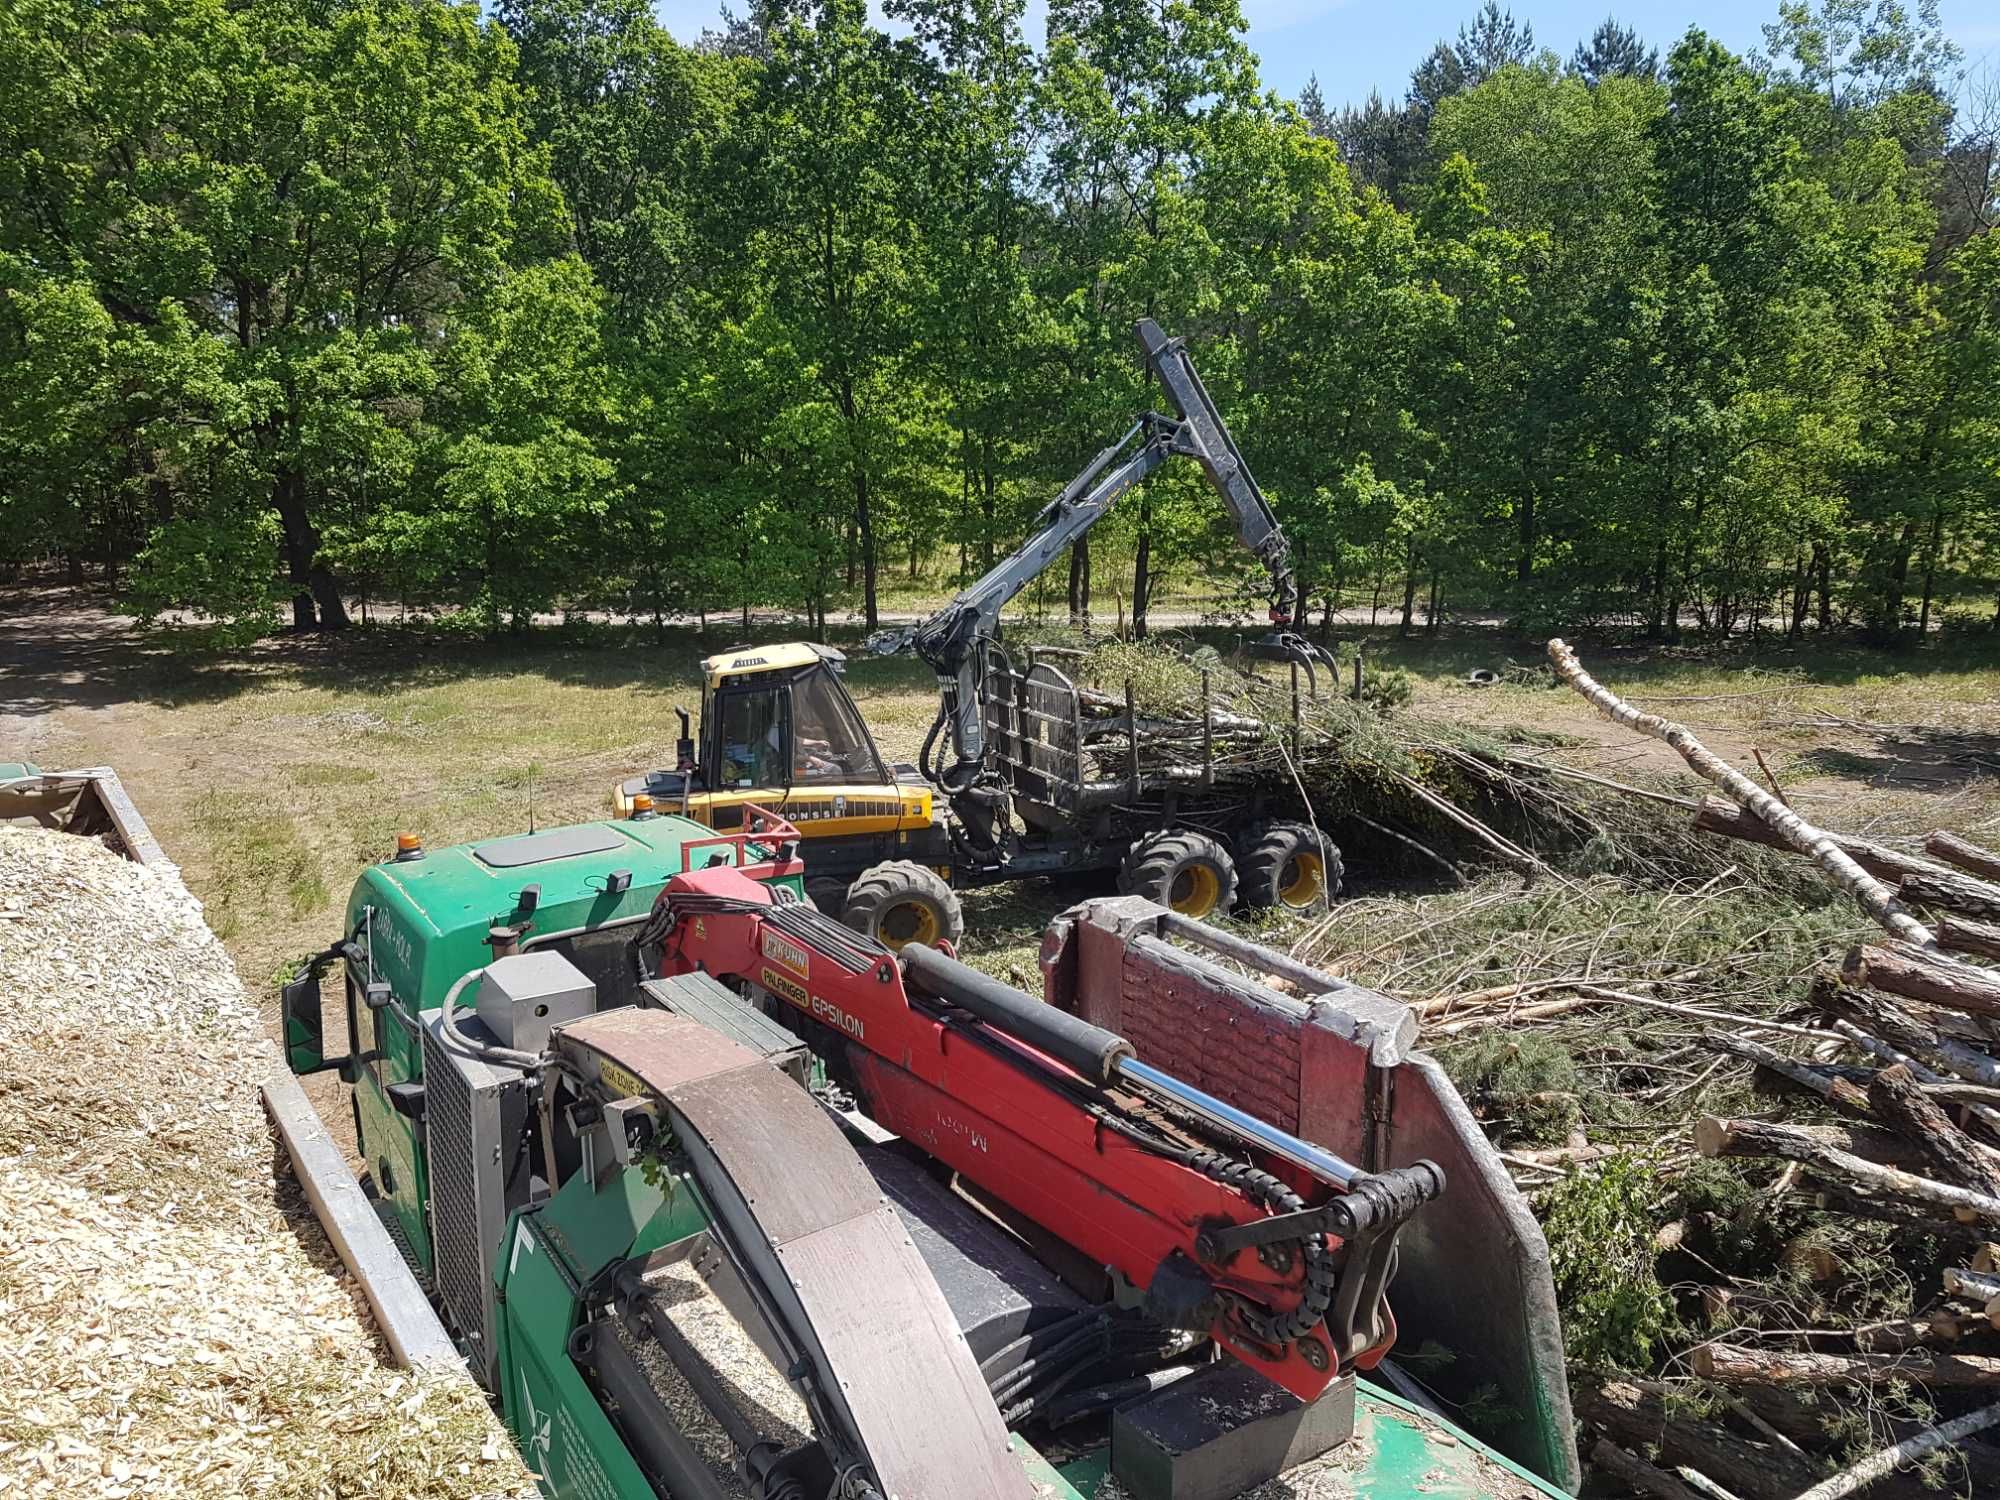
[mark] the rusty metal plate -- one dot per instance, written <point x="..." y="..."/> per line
<point x="663" y="1051"/>
<point x="931" y="1429"/>
<point x="787" y="1158"/>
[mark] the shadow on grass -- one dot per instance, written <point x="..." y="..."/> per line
<point x="64" y="646"/>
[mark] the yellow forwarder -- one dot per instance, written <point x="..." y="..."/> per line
<point x="779" y="729"/>
<point x="1012" y="782"/>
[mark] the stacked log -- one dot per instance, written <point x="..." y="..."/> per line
<point x="1906" y="1057"/>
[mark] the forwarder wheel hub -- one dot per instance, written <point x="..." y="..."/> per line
<point x="1185" y="871"/>
<point x="902" y="902"/>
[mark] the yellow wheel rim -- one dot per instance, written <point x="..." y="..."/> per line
<point x="1302" y="880"/>
<point x="1195" y="891"/>
<point x="909" y="922"/>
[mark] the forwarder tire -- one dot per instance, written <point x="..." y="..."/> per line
<point x="1181" y="870"/>
<point x="829" y="894"/>
<point x="1288" y="865"/>
<point x="902" y="902"/>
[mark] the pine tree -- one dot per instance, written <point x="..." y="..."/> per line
<point x="1614" y="51"/>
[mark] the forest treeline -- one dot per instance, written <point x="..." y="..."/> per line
<point x="305" y="302"/>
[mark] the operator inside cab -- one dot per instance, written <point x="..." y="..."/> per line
<point x="776" y="737"/>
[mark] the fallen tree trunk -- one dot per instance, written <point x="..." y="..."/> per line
<point x="1950" y="891"/>
<point x="1719" y="1137"/>
<point x="1956" y="1156"/>
<point x="1969" y="936"/>
<point x="1889" y="1210"/>
<point x="1873" y="897"/>
<point x="1878" y="1465"/>
<point x="1829" y="1083"/>
<point x="1729" y="821"/>
<point x="1811" y="1421"/>
<point x="1915" y="1333"/>
<point x="1637" y="1418"/>
<point x="1734" y="1365"/>
<point x="1638" y="1475"/>
<point x="1902" y="1028"/>
<point x="1931" y="978"/>
<point x="1954" y="850"/>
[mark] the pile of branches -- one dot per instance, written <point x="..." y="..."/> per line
<point x="1407" y="790"/>
<point x="1894" y="1061"/>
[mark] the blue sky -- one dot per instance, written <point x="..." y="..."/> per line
<point x="1356" y="45"/>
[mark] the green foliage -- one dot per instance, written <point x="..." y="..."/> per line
<point x="543" y="310"/>
<point x="1600" y="1227"/>
<point x="1523" y="1084"/>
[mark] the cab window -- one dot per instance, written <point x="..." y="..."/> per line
<point x="752" y="742"/>
<point x="831" y="744"/>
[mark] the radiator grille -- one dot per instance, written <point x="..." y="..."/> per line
<point x="475" y="1116"/>
<point x="454" y="1188"/>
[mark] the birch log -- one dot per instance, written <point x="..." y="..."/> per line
<point x="1880" y="1465"/>
<point x="1874" y="898"/>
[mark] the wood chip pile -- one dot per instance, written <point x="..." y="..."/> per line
<point x="172" y="1320"/>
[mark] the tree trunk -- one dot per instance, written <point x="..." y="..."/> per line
<point x="1902" y="970"/>
<point x="1895" y="580"/>
<point x="1524" y="558"/>
<point x="332" y="608"/>
<point x="1954" y="1155"/>
<point x="1719" y="817"/>
<point x="1719" y="1137"/>
<point x="1431" y="608"/>
<point x="1142" y="571"/>
<point x="1079" y="583"/>
<point x="1637" y="1475"/>
<point x="1409" y="592"/>
<point x="1951" y="891"/>
<point x="1930" y="571"/>
<point x="1733" y="1365"/>
<point x="1903" y="1029"/>
<point x="1968" y="856"/>
<point x="1964" y="935"/>
<point x="1753" y="1470"/>
<point x="1656" y="624"/>
<point x="301" y="544"/>
<point x="865" y="524"/>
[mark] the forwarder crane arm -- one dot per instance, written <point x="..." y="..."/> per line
<point x="951" y="640"/>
